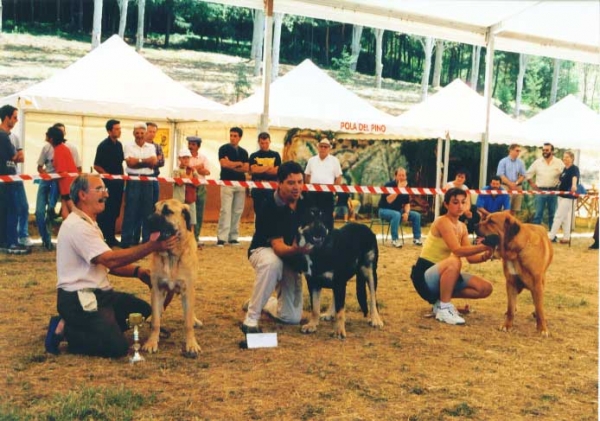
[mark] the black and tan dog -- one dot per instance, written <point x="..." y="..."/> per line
<point x="526" y="253"/>
<point x="174" y="271"/>
<point x="334" y="259"/>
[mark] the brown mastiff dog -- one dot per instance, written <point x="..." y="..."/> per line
<point x="174" y="271"/>
<point x="526" y="253"/>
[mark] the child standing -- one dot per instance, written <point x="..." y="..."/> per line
<point x="185" y="193"/>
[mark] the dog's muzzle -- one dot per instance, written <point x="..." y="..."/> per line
<point x="158" y="223"/>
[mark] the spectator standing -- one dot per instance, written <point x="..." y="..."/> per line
<point x="569" y="180"/>
<point x="546" y="171"/>
<point x="396" y="207"/>
<point x="185" y="192"/>
<point x="199" y="163"/>
<point x="109" y="160"/>
<point x="323" y="168"/>
<point x="490" y="203"/>
<point x="47" y="195"/>
<point x="20" y="198"/>
<point x="234" y="166"/>
<point x="70" y="145"/>
<point x="63" y="163"/>
<point x="151" y="129"/>
<point x="264" y="164"/>
<point x="8" y="159"/>
<point x="511" y="170"/>
<point x="140" y="159"/>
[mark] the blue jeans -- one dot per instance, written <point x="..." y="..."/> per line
<point x="11" y="214"/>
<point x="22" y="209"/>
<point x="541" y="201"/>
<point x="45" y="200"/>
<point x="394" y="218"/>
<point x="138" y="206"/>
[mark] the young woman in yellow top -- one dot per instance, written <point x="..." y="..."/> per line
<point x="437" y="274"/>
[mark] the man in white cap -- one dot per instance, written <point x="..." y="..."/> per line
<point x="198" y="162"/>
<point x="323" y="169"/>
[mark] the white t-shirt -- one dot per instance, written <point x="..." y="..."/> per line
<point x="546" y="175"/>
<point x="197" y="160"/>
<point x="79" y="241"/>
<point x="323" y="171"/>
<point x="132" y="150"/>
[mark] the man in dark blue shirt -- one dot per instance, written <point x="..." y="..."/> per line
<point x="490" y="203"/>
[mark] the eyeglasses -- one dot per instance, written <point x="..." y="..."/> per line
<point x="324" y="146"/>
<point x="518" y="150"/>
<point x="101" y="189"/>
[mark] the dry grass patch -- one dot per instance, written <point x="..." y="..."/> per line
<point x="414" y="368"/>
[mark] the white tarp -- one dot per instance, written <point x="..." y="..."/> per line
<point x="567" y="124"/>
<point x="459" y="110"/>
<point x="565" y="29"/>
<point x="113" y="80"/>
<point x="306" y="97"/>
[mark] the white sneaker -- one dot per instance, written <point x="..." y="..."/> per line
<point x="417" y="242"/>
<point x="26" y="241"/>
<point x="449" y="315"/>
<point x="397" y="244"/>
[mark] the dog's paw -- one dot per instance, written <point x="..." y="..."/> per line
<point x="151" y="346"/>
<point x="309" y="328"/>
<point x="326" y="317"/>
<point x="506" y="327"/>
<point x="376" y="322"/>
<point x="340" y="331"/>
<point x="192" y="349"/>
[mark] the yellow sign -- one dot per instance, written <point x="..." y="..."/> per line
<point x="163" y="138"/>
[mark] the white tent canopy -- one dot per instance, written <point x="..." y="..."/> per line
<point x="563" y="29"/>
<point x="460" y="111"/>
<point x="307" y="97"/>
<point x="114" y="80"/>
<point x="567" y="124"/>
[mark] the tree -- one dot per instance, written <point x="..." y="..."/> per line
<point x="555" y="74"/>
<point x="258" y="36"/>
<point x="97" y="28"/>
<point x="168" y="21"/>
<point x="378" y="56"/>
<point x="427" y="44"/>
<point x="523" y="60"/>
<point x="123" y="16"/>
<point x="57" y="10"/>
<point x="277" y="20"/>
<point x="437" y="65"/>
<point x="475" y="60"/>
<point x="139" y="39"/>
<point x="355" y="48"/>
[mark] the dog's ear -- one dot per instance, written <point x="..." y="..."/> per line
<point x="188" y="218"/>
<point x="511" y="229"/>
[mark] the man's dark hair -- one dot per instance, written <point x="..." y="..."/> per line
<point x="110" y="124"/>
<point x="237" y="130"/>
<point x="6" y="111"/>
<point x="58" y="125"/>
<point x="150" y="123"/>
<point x="461" y="171"/>
<point x="453" y="192"/>
<point x="55" y="135"/>
<point x="287" y="168"/>
<point x="264" y="135"/>
<point x="551" y="146"/>
<point x="495" y="177"/>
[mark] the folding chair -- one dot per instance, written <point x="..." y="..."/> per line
<point x="376" y="220"/>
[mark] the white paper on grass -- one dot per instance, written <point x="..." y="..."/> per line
<point x="261" y="340"/>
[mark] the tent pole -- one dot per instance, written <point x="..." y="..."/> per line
<point x="267" y="64"/>
<point x="489" y="73"/>
<point x="446" y="158"/>
<point x="438" y="174"/>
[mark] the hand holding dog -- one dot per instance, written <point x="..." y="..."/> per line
<point x="163" y="245"/>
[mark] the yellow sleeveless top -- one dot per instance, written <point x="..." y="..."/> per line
<point x="435" y="249"/>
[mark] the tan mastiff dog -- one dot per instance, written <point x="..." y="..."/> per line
<point x="526" y="253"/>
<point x="174" y="271"/>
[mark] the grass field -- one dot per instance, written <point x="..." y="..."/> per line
<point x="413" y="369"/>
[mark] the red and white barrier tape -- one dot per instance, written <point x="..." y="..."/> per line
<point x="337" y="188"/>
